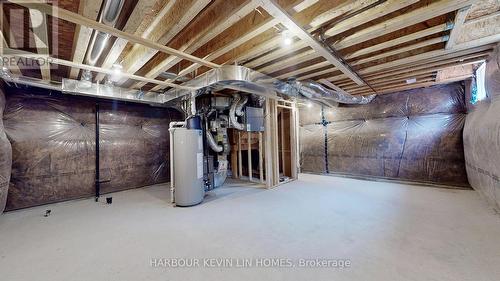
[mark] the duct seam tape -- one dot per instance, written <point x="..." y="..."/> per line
<point x="199" y="168"/>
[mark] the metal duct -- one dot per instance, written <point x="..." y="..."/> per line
<point x="316" y="91"/>
<point x="241" y="104"/>
<point x="81" y="88"/>
<point x="109" y="16"/>
<point x="232" y="113"/>
<point x="212" y="143"/>
<point x="74" y="87"/>
<point x="243" y="79"/>
<point x="220" y="178"/>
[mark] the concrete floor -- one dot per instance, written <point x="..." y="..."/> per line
<point x="386" y="231"/>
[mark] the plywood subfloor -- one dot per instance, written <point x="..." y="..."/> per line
<point x="387" y="231"/>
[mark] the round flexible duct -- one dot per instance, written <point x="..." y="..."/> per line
<point x="212" y="143"/>
<point x="232" y="113"/>
<point x="241" y="104"/>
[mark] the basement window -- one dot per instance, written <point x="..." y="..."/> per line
<point x="479" y="89"/>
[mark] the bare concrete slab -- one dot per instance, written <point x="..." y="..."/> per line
<point x="383" y="231"/>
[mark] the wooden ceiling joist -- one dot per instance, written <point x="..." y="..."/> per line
<point x="425" y="59"/>
<point x="399" y="40"/>
<point x="408" y="73"/>
<point x="457" y="27"/>
<point x="218" y="17"/>
<point x="277" y="12"/>
<point x="38" y="23"/>
<point x="81" y="20"/>
<point x="82" y="33"/>
<point x="382" y="55"/>
<point x="381" y="29"/>
<point x="423" y="84"/>
<point x="413" y="17"/>
<point x="244" y="30"/>
<point x="174" y="17"/>
<point x="144" y="13"/>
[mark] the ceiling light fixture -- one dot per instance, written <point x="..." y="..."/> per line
<point x="117" y="72"/>
<point x="287" y="37"/>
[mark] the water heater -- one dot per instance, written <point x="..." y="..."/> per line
<point x="187" y="163"/>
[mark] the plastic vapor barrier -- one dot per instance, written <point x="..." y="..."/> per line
<point x="312" y="144"/>
<point x="53" y="141"/>
<point x="5" y="156"/>
<point x="482" y="138"/>
<point x="414" y="135"/>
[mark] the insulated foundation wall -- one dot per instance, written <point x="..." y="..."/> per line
<point x="482" y="137"/>
<point x="413" y="135"/>
<point x="53" y="142"/>
<point x="5" y="156"/>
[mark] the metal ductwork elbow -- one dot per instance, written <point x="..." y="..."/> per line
<point x="212" y="143"/>
<point x="232" y="113"/>
<point x="241" y="104"/>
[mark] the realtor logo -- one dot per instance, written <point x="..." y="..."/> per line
<point x="25" y="29"/>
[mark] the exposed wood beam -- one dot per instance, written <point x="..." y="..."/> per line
<point x="320" y="13"/>
<point x="381" y="29"/>
<point x="433" y="61"/>
<point x="399" y="40"/>
<point x="408" y="62"/>
<point x="300" y="71"/>
<point x="81" y="20"/>
<point x="285" y="62"/>
<point x="169" y="22"/>
<point x="380" y="56"/>
<point x="413" y="17"/>
<point x="206" y="28"/>
<point x="371" y="49"/>
<point x="38" y="23"/>
<point x="483" y="18"/>
<point x="242" y="38"/>
<point x="304" y="5"/>
<point x="457" y="27"/>
<point x="24" y="54"/>
<point x="251" y="26"/>
<point x="479" y="42"/>
<point x="319" y="73"/>
<point x="143" y="13"/>
<point x="332" y="86"/>
<point x="411" y="59"/>
<point x="405" y="20"/>
<point x="381" y="86"/>
<point x="402" y="50"/>
<point x="417" y="85"/>
<point x="277" y="12"/>
<point x="88" y="9"/>
<point x="421" y="69"/>
<point x="385" y="82"/>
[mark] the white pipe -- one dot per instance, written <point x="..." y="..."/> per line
<point x="171" y="130"/>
